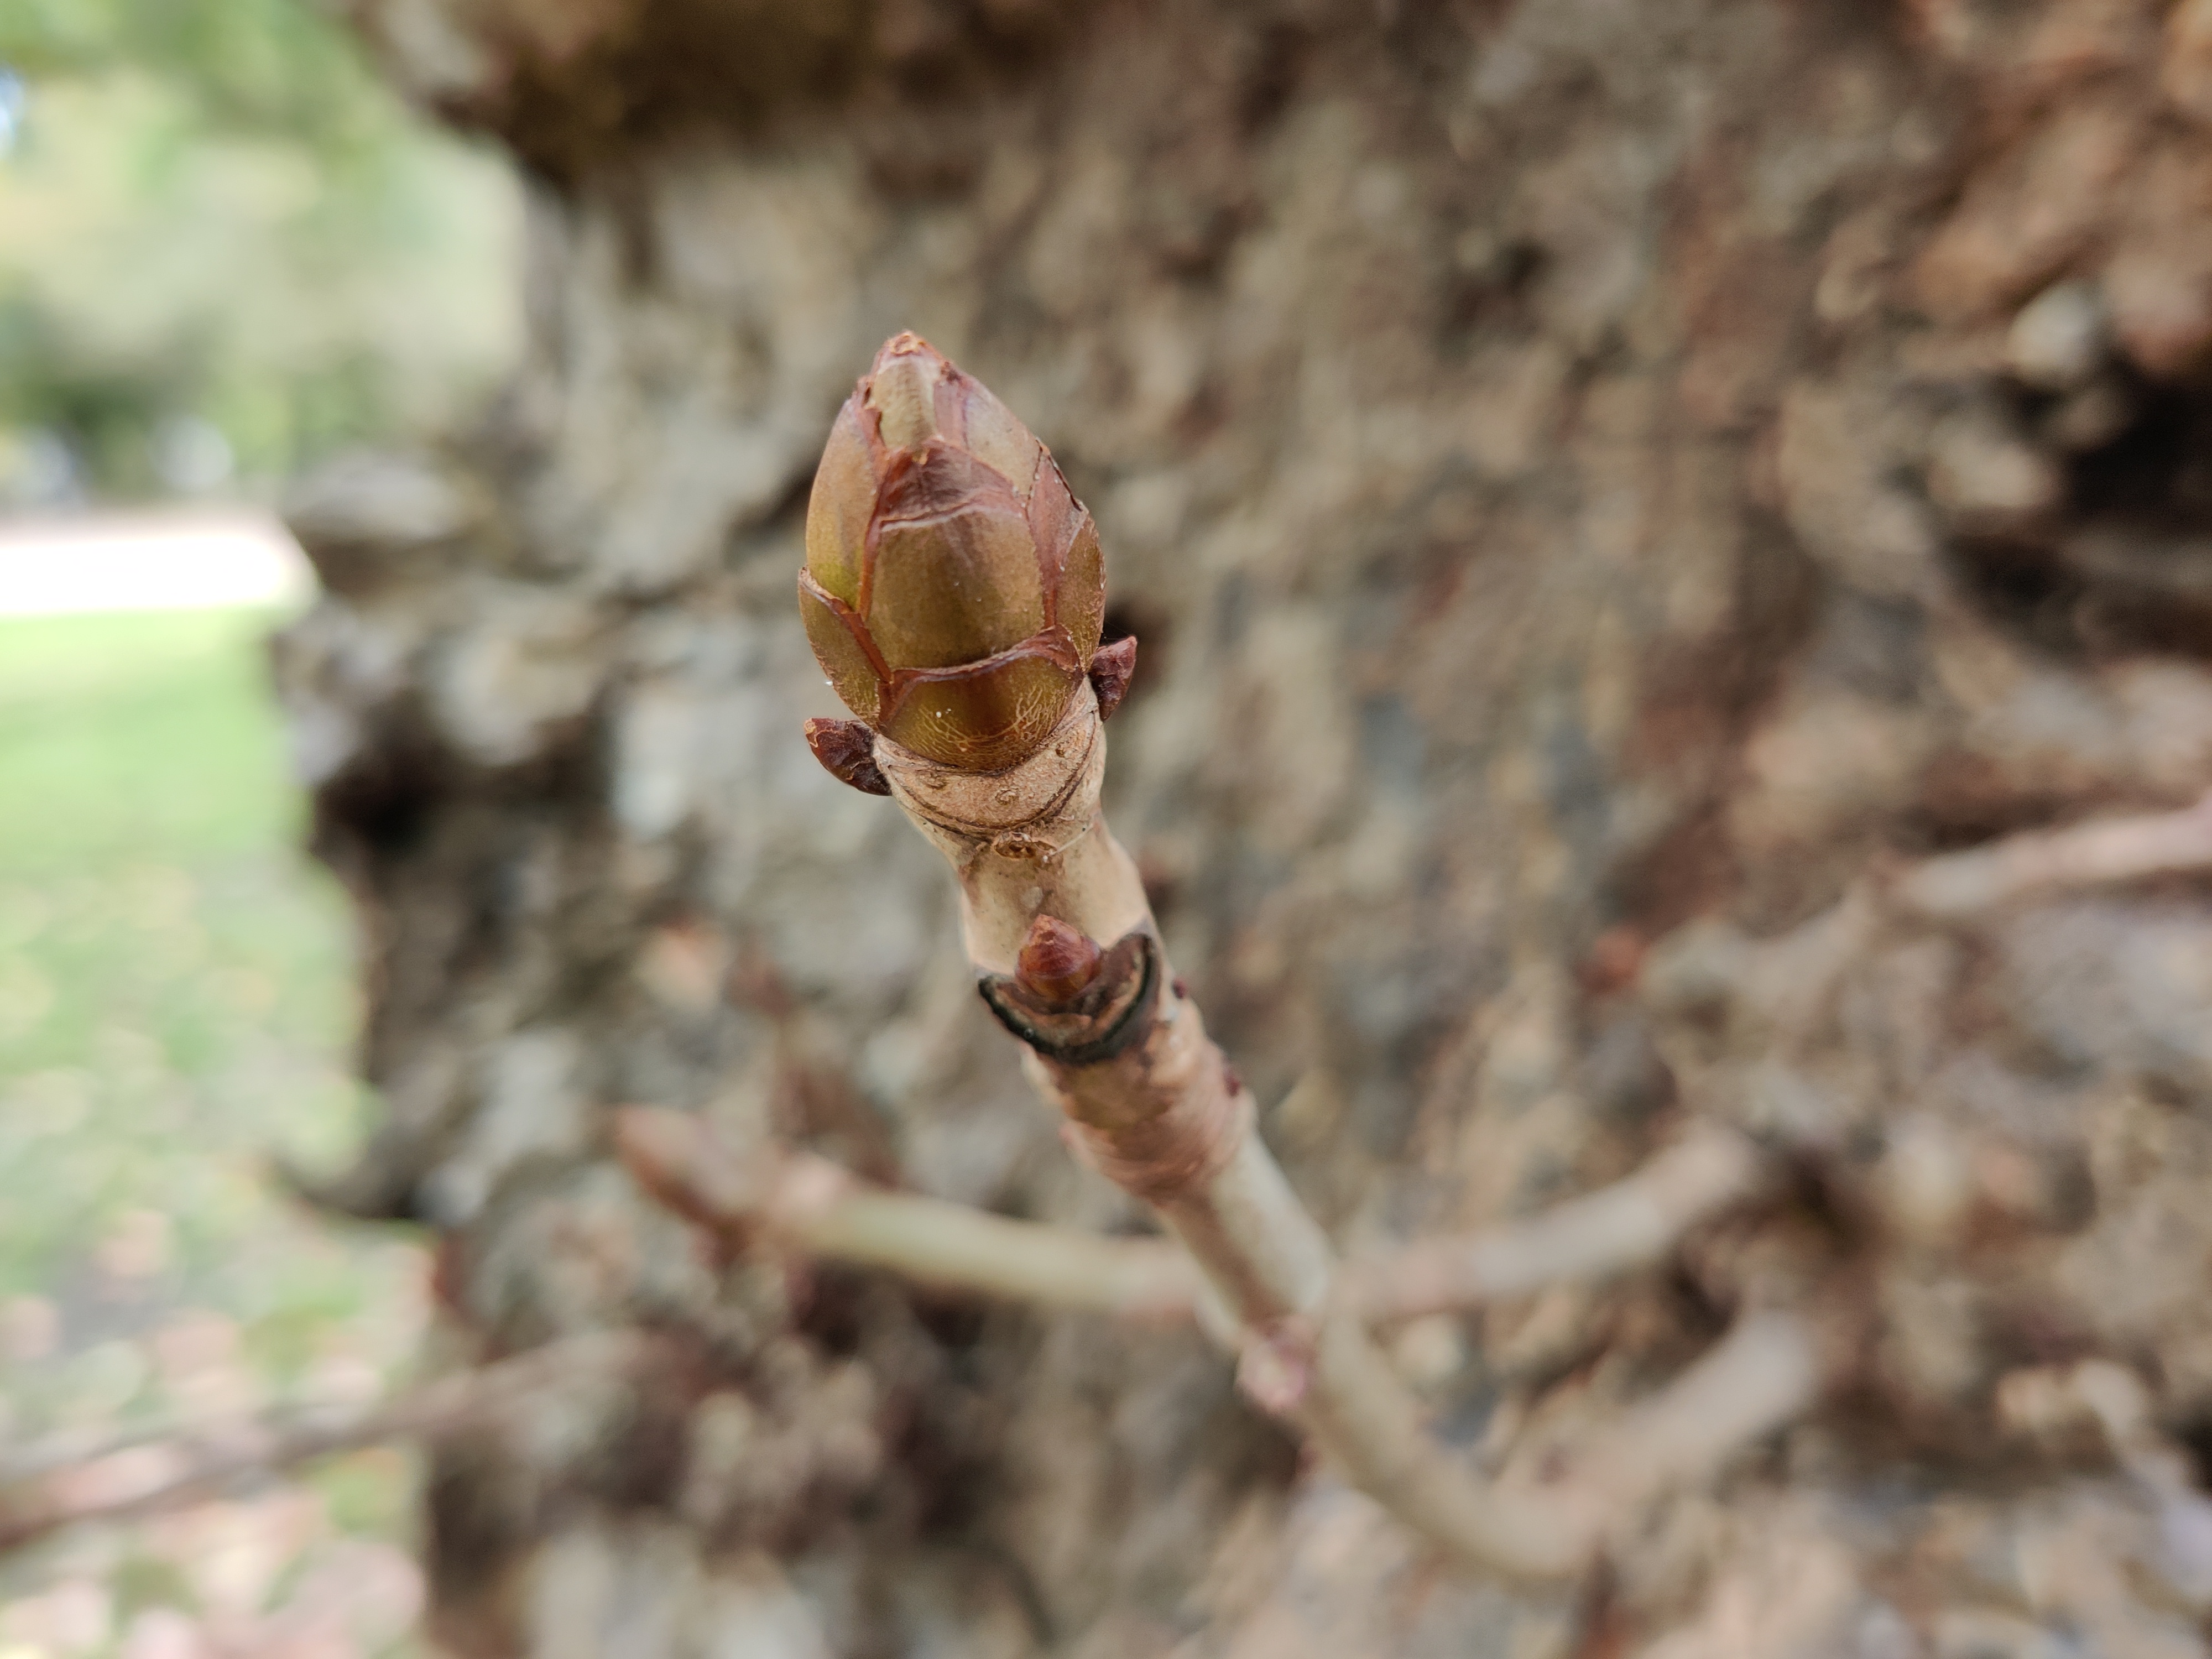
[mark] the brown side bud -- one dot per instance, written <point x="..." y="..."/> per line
<point x="954" y="589"/>
<point x="847" y="750"/>
<point x="1112" y="666"/>
<point x="1057" y="961"/>
<point x="1073" y="1003"/>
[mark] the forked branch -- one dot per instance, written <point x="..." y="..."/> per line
<point x="135" y="1479"/>
<point x="953" y="593"/>
<point x="813" y="1208"/>
<point x="1761" y="1374"/>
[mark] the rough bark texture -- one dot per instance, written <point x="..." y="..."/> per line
<point x="1590" y="479"/>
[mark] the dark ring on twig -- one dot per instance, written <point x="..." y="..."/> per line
<point x="1101" y="1022"/>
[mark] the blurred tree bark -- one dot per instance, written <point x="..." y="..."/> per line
<point x="1591" y="480"/>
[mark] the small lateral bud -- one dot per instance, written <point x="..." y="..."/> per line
<point x="1056" y="961"/>
<point x="847" y="750"/>
<point x="1111" y="668"/>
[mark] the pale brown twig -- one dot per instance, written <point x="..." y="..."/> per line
<point x="1119" y="1046"/>
<point x="1632" y="1224"/>
<point x="2100" y="853"/>
<point x="954" y="596"/>
<point x="804" y="1203"/>
<point x="1760" y="1377"/>
<point x="1787" y="982"/>
<point x="137" y="1480"/>
<point x="1163" y="1116"/>
<point x="811" y="1205"/>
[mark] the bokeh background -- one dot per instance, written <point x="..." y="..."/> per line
<point x="1600" y="486"/>
<point x="227" y="251"/>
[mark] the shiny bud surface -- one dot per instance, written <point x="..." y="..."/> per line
<point x="1112" y="667"/>
<point x="954" y="588"/>
<point x="846" y="751"/>
<point x="1057" y="961"/>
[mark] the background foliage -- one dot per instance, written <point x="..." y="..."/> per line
<point x="224" y="248"/>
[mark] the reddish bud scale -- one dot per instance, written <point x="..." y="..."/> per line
<point x="954" y="589"/>
<point x="1112" y="667"/>
<point x="1057" y="961"/>
<point x="846" y="751"/>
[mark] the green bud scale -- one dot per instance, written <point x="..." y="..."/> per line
<point x="954" y="588"/>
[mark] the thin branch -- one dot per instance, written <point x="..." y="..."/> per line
<point x="1117" y="1044"/>
<point x="2094" y="855"/>
<point x="1758" y="1377"/>
<point x="1788" y="983"/>
<point x="73" y="1448"/>
<point x="808" y="1204"/>
<point x="1632" y="1224"/>
<point x="1766" y="1372"/>
<point x="132" y="1480"/>
<point x="984" y="683"/>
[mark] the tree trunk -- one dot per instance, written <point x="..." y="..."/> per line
<point x="1591" y="482"/>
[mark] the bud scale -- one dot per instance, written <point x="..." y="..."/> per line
<point x="954" y="589"/>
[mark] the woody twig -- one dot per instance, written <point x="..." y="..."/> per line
<point x="1635" y="1223"/>
<point x="812" y="1207"/>
<point x="136" y="1479"/>
<point x="2100" y="853"/>
<point x="1788" y="983"/>
<point x="815" y="1209"/>
<point x="953" y="593"/>
<point x="1757" y="1378"/>
<point x="1117" y="1045"/>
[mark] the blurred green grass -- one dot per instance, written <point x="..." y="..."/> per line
<point x="176" y="1004"/>
<point x="173" y="976"/>
<point x="135" y="736"/>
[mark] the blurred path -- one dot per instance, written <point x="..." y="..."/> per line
<point x="151" y="559"/>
